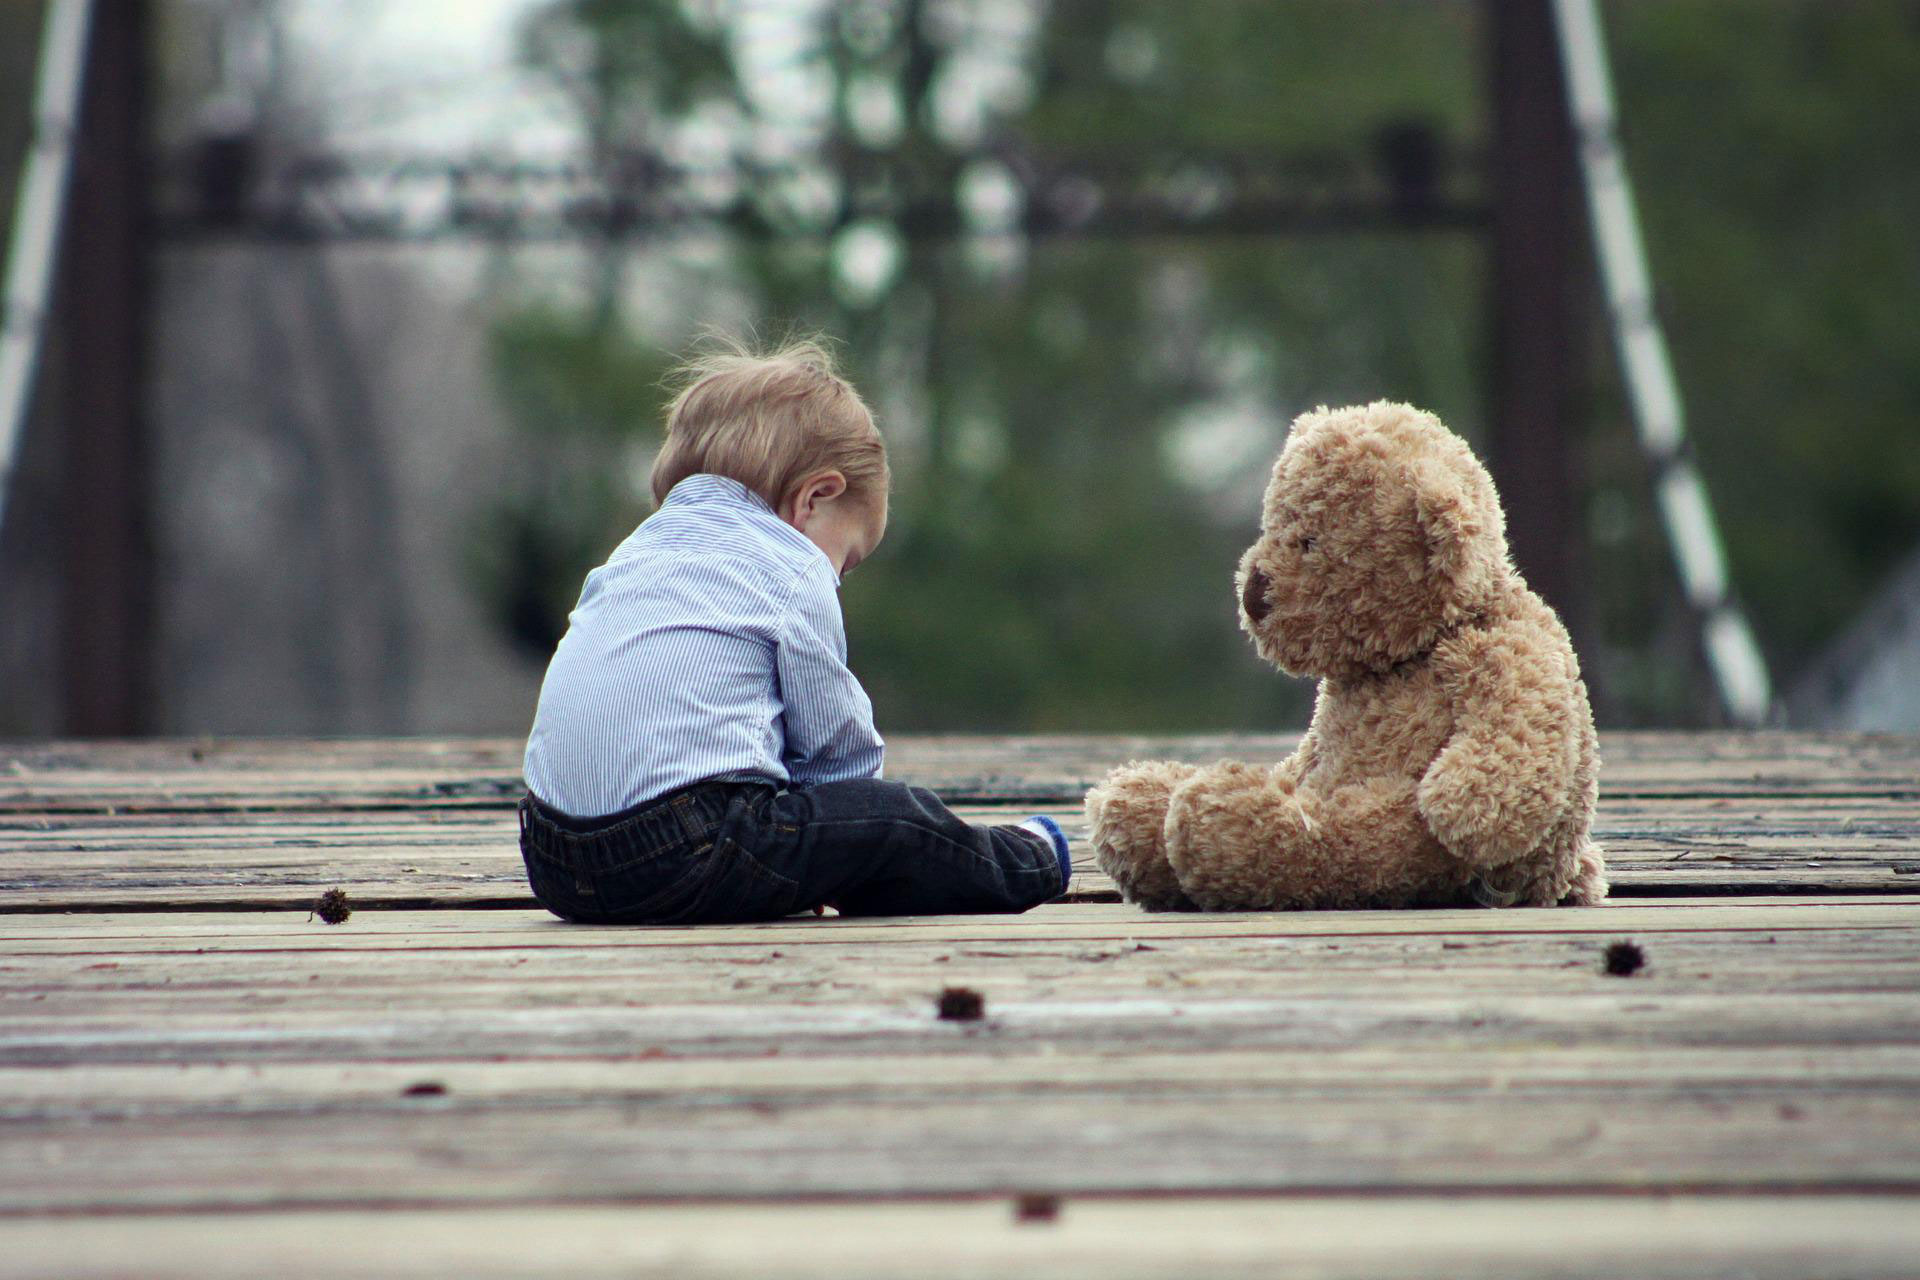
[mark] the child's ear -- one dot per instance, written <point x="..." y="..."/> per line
<point x="828" y="485"/>
<point x="815" y="489"/>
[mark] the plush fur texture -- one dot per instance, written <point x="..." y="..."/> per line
<point x="1452" y="756"/>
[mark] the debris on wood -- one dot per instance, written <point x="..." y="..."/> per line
<point x="1624" y="959"/>
<point x="1095" y="956"/>
<point x="1036" y="1207"/>
<point x="961" y="1004"/>
<point x="424" y="1089"/>
<point x="332" y="907"/>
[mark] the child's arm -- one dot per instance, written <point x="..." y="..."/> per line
<point x="827" y="715"/>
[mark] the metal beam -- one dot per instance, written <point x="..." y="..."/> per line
<point x="1535" y="306"/>
<point x="101" y="336"/>
<point x="222" y="188"/>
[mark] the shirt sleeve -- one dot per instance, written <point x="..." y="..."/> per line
<point x="826" y="715"/>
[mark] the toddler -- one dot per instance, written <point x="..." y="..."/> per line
<point x="701" y="751"/>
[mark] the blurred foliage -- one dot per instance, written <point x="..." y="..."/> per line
<point x="1081" y="426"/>
<point x="1777" y="150"/>
<point x="577" y="387"/>
<point x="19" y="52"/>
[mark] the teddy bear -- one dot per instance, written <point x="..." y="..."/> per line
<point x="1451" y="759"/>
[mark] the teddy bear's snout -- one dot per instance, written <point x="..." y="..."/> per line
<point x="1254" y="598"/>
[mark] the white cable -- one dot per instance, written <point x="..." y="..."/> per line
<point x="34" y="243"/>
<point x="1739" y="668"/>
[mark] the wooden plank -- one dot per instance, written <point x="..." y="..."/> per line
<point x="1067" y="1139"/>
<point x="53" y="966"/>
<point x="282" y="1028"/>
<point x="252" y="774"/>
<point x="1119" y="1238"/>
<point x="131" y="1005"/>
<point x="211" y="1088"/>
<point x="132" y="933"/>
<point x="467" y="857"/>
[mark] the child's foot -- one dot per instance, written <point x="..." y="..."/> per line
<point x="1041" y="825"/>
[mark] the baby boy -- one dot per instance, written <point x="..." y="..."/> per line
<point x="701" y="751"/>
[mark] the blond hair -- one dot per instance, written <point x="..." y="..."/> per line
<point x="769" y="420"/>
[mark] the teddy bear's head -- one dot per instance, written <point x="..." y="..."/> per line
<point x="1380" y="531"/>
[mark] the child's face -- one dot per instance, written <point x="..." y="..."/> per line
<point x="845" y="525"/>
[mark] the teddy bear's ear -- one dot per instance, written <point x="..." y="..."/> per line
<point x="1445" y="511"/>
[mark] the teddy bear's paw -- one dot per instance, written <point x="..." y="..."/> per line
<point x="1476" y="822"/>
<point x="1128" y="812"/>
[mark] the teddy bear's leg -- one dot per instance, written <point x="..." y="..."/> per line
<point x="1128" y="811"/>
<point x="1242" y="839"/>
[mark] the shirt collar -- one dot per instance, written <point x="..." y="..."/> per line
<point x="705" y="487"/>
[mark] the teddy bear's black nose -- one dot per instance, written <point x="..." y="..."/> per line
<point x="1254" y="598"/>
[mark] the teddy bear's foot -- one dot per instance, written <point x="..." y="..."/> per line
<point x="1128" y="811"/>
<point x="1233" y="832"/>
<point x="1589" y="885"/>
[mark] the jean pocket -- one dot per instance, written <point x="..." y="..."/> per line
<point x="714" y="882"/>
<point x="753" y="890"/>
<point x="685" y="888"/>
<point x="718" y="883"/>
<point x="645" y="891"/>
<point x="732" y="887"/>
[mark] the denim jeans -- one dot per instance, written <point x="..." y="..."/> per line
<point x="739" y="851"/>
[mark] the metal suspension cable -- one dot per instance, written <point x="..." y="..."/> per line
<point x="38" y="207"/>
<point x="1739" y="668"/>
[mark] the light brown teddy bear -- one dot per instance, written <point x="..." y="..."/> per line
<point x="1451" y="758"/>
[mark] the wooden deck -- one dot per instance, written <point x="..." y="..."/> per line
<point x="199" y="1078"/>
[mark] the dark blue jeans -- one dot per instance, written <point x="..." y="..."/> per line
<point x="738" y="851"/>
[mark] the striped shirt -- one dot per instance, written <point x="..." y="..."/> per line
<point x="709" y="645"/>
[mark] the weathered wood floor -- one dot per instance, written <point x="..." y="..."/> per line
<point x="198" y="1078"/>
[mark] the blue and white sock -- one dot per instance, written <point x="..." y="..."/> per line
<point x="1041" y="825"/>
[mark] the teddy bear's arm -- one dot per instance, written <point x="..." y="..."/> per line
<point x="1497" y="787"/>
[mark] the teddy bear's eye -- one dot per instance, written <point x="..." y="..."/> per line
<point x="1306" y="544"/>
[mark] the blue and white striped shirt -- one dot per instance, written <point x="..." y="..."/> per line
<point x="709" y="644"/>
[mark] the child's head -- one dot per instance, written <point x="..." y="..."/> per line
<point x="786" y="425"/>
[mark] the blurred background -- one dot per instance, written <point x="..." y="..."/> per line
<point x="350" y="367"/>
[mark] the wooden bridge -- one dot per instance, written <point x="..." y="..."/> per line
<point x="200" y="1078"/>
